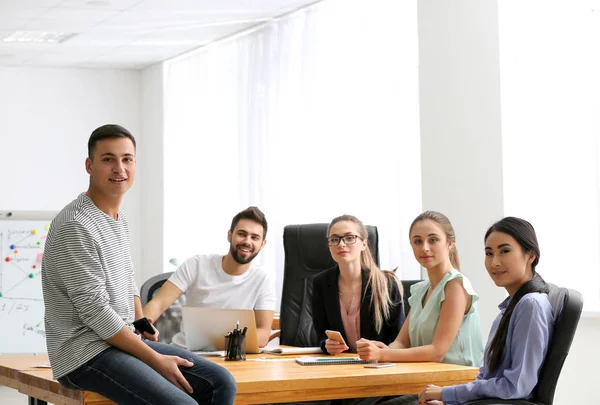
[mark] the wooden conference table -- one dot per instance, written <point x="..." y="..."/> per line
<point x="261" y="379"/>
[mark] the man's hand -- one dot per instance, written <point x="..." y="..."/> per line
<point x="168" y="367"/>
<point x="334" y="347"/>
<point x="430" y="395"/>
<point x="147" y="335"/>
<point x="369" y="349"/>
<point x="152" y="338"/>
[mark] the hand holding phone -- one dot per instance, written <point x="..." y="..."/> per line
<point x="335" y="343"/>
<point x="335" y="335"/>
<point x="143" y="325"/>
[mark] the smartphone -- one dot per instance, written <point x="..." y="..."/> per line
<point x="144" y="325"/>
<point x="379" y="365"/>
<point x="335" y="335"/>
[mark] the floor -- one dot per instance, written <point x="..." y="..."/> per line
<point x="10" y="396"/>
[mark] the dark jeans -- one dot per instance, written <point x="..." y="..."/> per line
<point x="125" y="379"/>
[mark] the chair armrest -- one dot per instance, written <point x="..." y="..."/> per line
<point x="274" y="334"/>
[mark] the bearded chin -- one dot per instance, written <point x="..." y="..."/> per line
<point x="237" y="257"/>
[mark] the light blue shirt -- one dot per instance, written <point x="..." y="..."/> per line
<point x="529" y="332"/>
<point x="467" y="346"/>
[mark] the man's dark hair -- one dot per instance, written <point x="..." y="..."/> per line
<point x="105" y="132"/>
<point x="253" y="214"/>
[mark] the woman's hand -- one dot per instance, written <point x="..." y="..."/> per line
<point x="334" y="347"/>
<point x="430" y="394"/>
<point x="369" y="349"/>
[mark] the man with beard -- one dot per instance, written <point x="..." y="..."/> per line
<point x="228" y="281"/>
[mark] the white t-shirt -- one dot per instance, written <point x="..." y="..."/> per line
<point x="206" y="284"/>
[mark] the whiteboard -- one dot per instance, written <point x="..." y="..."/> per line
<point x="22" y="239"/>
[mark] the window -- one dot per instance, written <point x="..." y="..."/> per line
<point x="550" y="109"/>
<point x="270" y="118"/>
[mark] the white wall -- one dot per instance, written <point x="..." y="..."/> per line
<point x="46" y="118"/>
<point x="151" y="174"/>
<point x="461" y="144"/>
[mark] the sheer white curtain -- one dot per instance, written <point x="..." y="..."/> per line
<point x="309" y="117"/>
<point x="550" y="108"/>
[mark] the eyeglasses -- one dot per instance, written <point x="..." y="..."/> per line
<point x="348" y="239"/>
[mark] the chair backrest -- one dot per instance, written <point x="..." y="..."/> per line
<point x="406" y="284"/>
<point x="567" y="305"/>
<point x="169" y="323"/>
<point x="152" y="285"/>
<point x="306" y="255"/>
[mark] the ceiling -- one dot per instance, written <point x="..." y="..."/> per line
<point x="126" y="34"/>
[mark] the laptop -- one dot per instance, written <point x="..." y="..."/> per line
<point x="205" y="328"/>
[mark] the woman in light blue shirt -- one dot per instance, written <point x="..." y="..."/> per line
<point x="443" y="322"/>
<point x="521" y="333"/>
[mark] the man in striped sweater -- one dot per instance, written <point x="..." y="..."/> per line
<point x="91" y="298"/>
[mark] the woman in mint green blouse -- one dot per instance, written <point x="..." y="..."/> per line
<point x="443" y="323"/>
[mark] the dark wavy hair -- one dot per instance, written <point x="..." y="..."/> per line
<point x="523" y="232"/>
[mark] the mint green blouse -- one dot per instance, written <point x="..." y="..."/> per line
<point x="467" y="348"/>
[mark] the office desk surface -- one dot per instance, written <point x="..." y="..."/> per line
<point x="286" y="381"/>
<point x="18" y="372"/>
<point x="10" y="366"/>
<point x="260" y="382"/>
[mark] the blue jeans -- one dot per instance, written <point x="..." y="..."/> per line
<point x="125" y="379"/>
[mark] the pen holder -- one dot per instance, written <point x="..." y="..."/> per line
<point x="235" y="347"/>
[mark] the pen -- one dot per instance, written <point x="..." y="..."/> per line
<point x="244" y="331"/>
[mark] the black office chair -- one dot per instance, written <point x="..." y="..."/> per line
<point x="169" y="323"/>
<point x="406" y="284"/>
<point x="306" y="255"/>
<point x="567" y="305"/>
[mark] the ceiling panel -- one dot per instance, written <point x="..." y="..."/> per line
<point x="126" y="33"/>
<point x="20" y="12"/>
<point x="77" y="14"/>
<point x="109" y="5"/>
<point x="29" y="3"/>
<point x="11" y="25"/>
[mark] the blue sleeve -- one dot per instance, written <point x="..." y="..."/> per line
<point x="530" y="338"/>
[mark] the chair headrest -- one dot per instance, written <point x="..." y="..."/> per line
<point x="307" y="245"/>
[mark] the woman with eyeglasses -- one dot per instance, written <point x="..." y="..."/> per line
<point x="355" y="298"/>
<point x="443" y="322"/>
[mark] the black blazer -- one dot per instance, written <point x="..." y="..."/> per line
<point x="327" y="314"/>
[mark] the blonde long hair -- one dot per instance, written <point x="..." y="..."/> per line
<point x="381" y="302"/>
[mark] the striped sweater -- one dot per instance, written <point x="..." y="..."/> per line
<point x="88" y="284"/>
